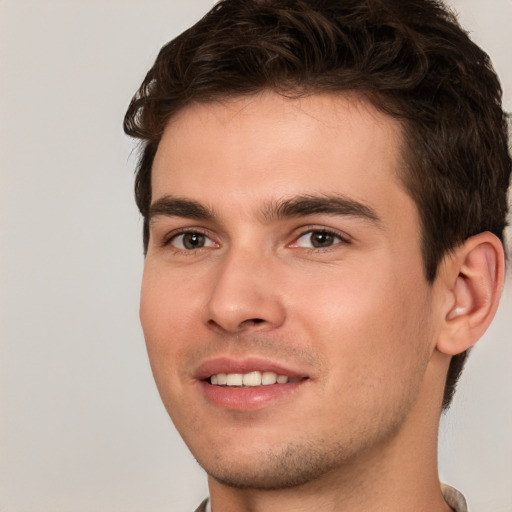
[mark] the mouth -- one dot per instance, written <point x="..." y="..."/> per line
<point x="249" y="384"/>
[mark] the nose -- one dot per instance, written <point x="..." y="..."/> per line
<point x="245" y="295"/>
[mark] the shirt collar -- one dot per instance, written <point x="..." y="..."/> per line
<point x="453" y="497"/>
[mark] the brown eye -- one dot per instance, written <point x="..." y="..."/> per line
<point x="318" y="240"/>
<point x="191" y="240"/>
<point x="321" y="239"/>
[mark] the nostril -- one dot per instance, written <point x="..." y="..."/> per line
<point x="246" y="324"/>
<point x="253" y="321"/>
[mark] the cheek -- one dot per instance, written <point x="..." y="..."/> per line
<point x="369" y="326"/>
<point x="167" y="302"/>
<point x="166" y="315"/>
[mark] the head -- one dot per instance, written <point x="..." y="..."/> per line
<point x="409" y="59"/>
<point x="320" y="183"/>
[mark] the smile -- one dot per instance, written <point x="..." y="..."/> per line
<point x="251" y="379"/>
<point x="249" y="384"/>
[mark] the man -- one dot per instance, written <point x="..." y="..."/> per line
<point x="323" y="186"/>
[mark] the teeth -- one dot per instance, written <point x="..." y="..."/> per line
<point x="250" y="379"/>
<point x="268" y="378"/>
<point x="234" y="379"/>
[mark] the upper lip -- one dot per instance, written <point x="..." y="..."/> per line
<point x="229" y="365"/>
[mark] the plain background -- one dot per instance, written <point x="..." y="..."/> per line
<point x="81" y="425"/>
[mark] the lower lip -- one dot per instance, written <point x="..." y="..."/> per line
<point x="249" y="398"/>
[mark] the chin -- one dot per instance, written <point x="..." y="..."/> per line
<point x="291" y="466"/>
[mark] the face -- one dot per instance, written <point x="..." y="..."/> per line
<point x="286" y="314"/>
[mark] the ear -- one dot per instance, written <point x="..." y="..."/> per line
<point x="472" y="279"/>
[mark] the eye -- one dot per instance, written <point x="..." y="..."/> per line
<point x="318" y="239"/>
<point x="191" y="240"/>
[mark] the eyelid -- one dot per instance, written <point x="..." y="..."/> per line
<point x="344" y="238"/>
<point x="168" y="238"/>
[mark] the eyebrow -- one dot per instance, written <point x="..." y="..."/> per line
<point x="297" y="206"/>
<point x="304" y="205"/>
<point x="169" y="206"/>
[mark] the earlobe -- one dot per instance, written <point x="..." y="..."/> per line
<point x="474" y="281"/>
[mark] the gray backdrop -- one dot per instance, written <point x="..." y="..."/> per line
<point x="81" y="425"/>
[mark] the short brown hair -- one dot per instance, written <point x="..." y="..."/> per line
<point x="410" y="58"/>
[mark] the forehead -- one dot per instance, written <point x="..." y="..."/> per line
<point x="245" y="150"/>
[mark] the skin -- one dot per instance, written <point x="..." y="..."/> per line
<point x="355" y="316"/>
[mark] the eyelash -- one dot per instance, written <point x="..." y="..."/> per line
<point x="343" y="239"/>
<point x="167" y="241"/>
